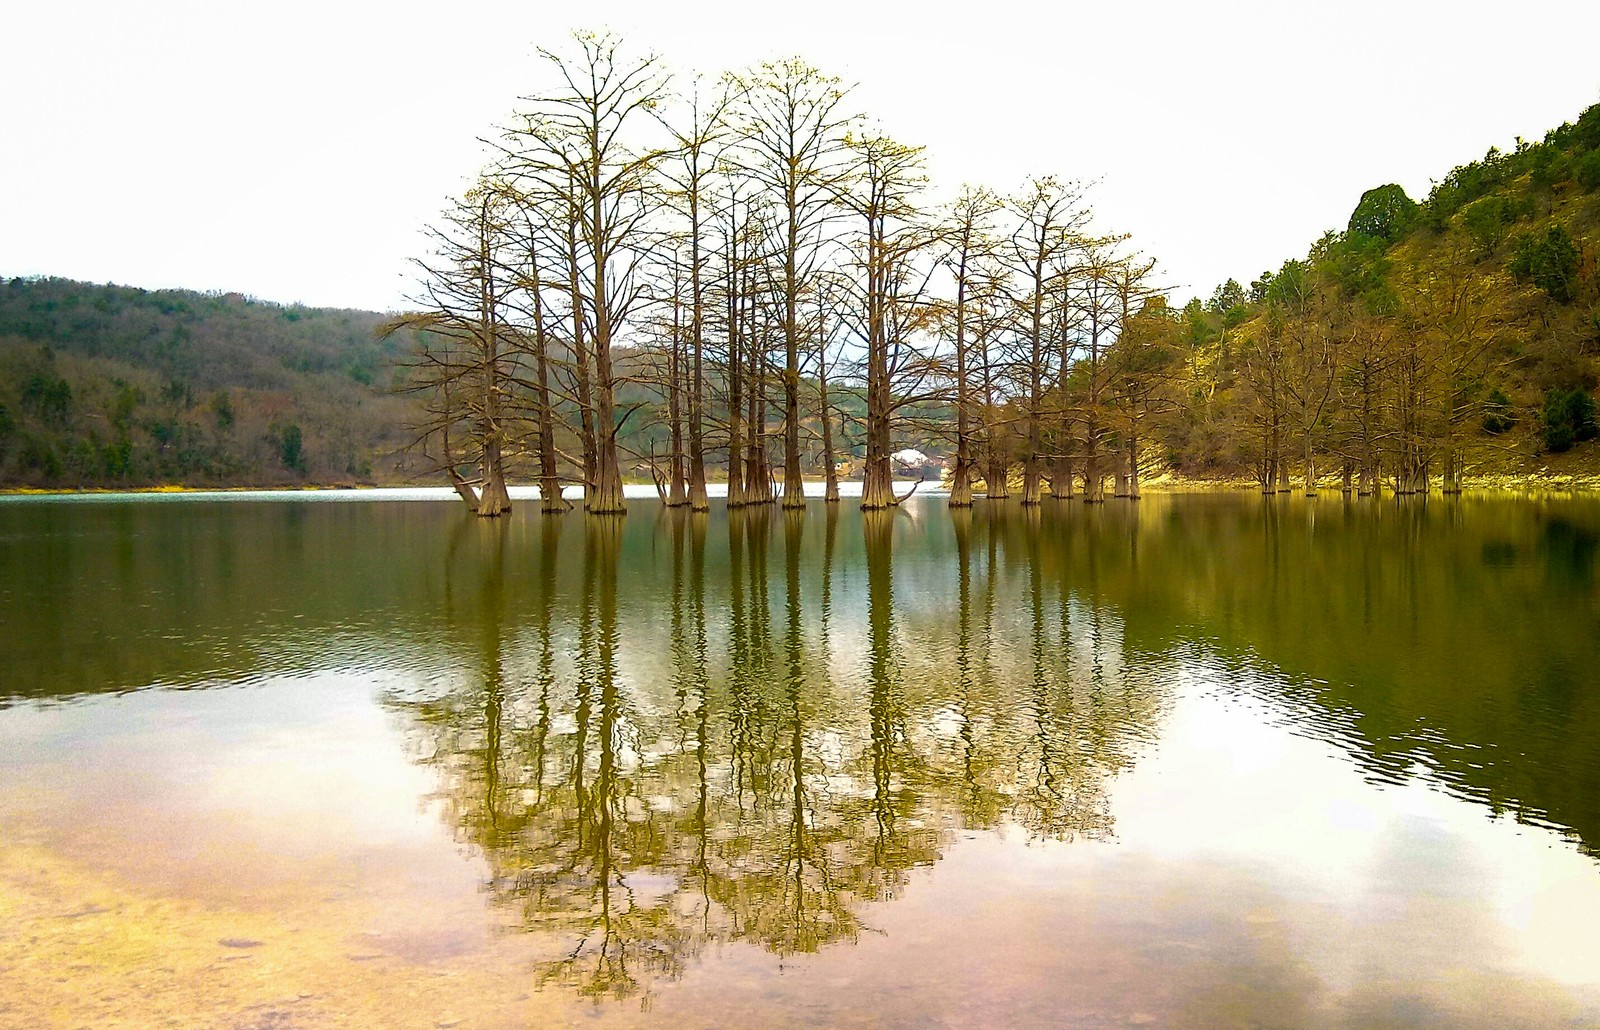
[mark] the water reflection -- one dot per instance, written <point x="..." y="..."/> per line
<point x="654" y="739"/>
<point x="749" y="779"/>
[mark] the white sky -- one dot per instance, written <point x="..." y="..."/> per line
<point x="293" y="150"/>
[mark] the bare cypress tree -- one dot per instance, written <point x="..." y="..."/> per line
<point x="828" y="325"/>
<point x="968" y="230"/>
<point x="465" y="365"/>
<point x="1099" y="309"/>
<point x="577" y="128"/>
<point x="700" y="142"/>
<point x="539" y="343"/>
<point x="735" y="348"/>
<point x="884" y="179"/>
<point x="1049" y="216"/>
<point x="793" y="139"/>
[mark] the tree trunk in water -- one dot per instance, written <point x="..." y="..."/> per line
<point x="757" y="473"/>
<point x="961" y="478"/>
<point x="608" y="497"/>
<point x="830" y="472"/>
<point x="550" y="500"/>
<point x="996" y="486"/>
<point x="1061" y="486"/>
<point x="463" y="490"/>
<point x="678" y="470"/>
<point x="698" y="500"/>
<point x="1119" y="483"/>
<point x="580" y="355"/>
<point x="1367" y="484"/>
<point x="1311" y="473"/>
<point x="961" y="482"/>
<point x="1133" y="467"/>
<point x="492" y="497"/>
<point x="1452" y="473"/>
<point x="1032" y="481"/>
<point x="1094" y="487"/>
<point x="1346" y="471"/>
<point x="736" y="497"/>
<point x="877" y="483"/>
<point x="831" y="493"/>
<point x="794" y="491"/>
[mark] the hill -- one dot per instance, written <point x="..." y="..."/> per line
<point x="117" y="386"/>
<point x="1454" y="335"/>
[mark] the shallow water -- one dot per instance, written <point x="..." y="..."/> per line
<point x="1208" y="761"/>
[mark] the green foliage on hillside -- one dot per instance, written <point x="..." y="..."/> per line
<point x="1458" y="333"/>
<point x="116" y="386"/>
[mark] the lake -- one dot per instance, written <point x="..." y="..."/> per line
<point x="1210" y="760"/>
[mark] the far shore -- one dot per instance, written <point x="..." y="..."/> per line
<point x="1163" y="484"/>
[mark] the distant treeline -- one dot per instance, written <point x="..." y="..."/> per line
<point x="116" y="386"/>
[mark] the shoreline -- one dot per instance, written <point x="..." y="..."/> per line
<point x="1499" y="483"/>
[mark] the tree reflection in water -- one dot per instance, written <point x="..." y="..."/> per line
<point x="754" y="751"/>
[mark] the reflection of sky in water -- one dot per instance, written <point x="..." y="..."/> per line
<point x="1241" y="849"/>
<point x="1238" y="854"/>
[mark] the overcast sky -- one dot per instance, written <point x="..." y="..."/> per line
<point x="293" y="150"/>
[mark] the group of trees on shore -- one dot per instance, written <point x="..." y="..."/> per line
<point x="743" y="279"/>
<point x="757" y="274"/>
<point x="755" y="268"/>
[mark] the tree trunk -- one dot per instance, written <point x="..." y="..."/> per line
<point x="580" y="357"/>
<point x="1452" y="472"/>
<point x="995" y="484"/>
<point x="961" y="482"/>
<point x="831" y="494"/>
<point x="492" y="497"/>
<point x="698" y="500"/>
<point x="1346" y="472"/>
<point x="1094" y="489"/>
<point x="877" y="483"/>
<point x="1061" y="485"/>
<point x="1133" y="466"/>
<point x="550" y="499"/>
<point x="794" y="492"/>
<point x="608" y="498"/>
<point x="961" y="478"/>
<point x="877" y="480"/>
<point x="1311" y="472"/>
<point x="757" y="471"/>
<point x="678" y="471"/>
<point x="462" y="488"/>
<point x="736" y="498"/>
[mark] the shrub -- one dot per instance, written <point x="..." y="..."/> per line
<point x="1568" y="418"/>
<point x="1549" y="261"/>
<point x="1384" y="213"/>
<point x="1587" y="170"/>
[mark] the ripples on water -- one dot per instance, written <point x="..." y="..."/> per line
<point x="668" y="734"/>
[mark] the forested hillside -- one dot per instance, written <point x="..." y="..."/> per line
<point x="1436" y="339"/>
<point x="115" y="386"/>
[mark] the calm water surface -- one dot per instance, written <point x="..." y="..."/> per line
<point x="1196" y="761"/>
